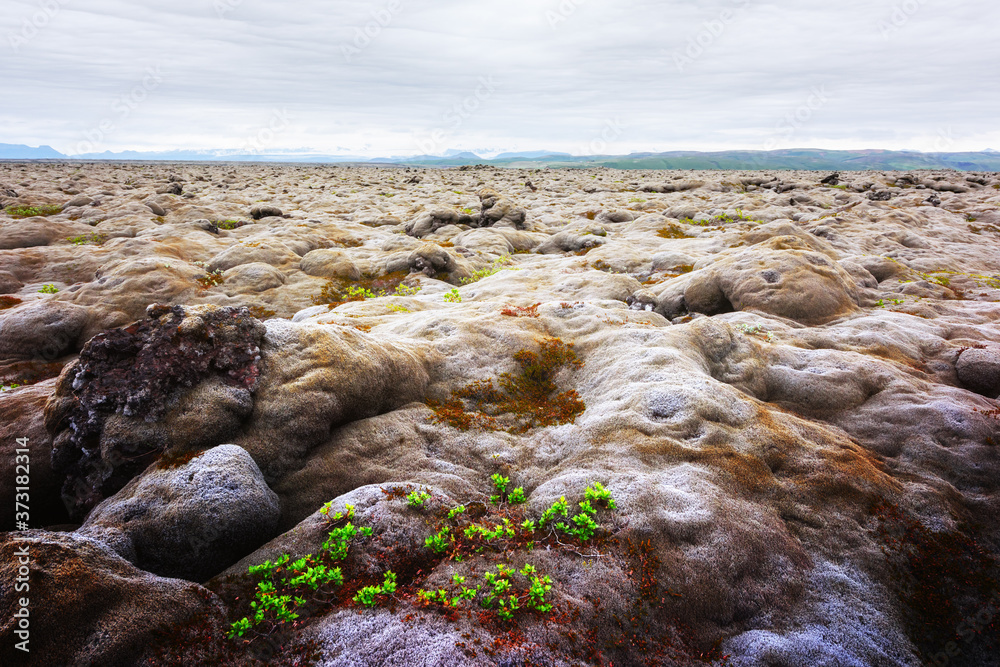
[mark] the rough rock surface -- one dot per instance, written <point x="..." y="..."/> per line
<point x="88" y="606"/>
<point x="190" y="519"/>
<point x="788" y="387"/>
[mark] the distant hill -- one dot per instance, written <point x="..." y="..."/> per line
<point x="788" y="159"/>
<point x="22" y="152"/>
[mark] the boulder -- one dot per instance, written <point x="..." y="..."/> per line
<point x="43" y="329"/>
<point x="136" y="374"/>
<point x="265" y="211"/>
<point x="979" y="370"/>
<point x="189" y="520"/>
<point x="780" y="277"/>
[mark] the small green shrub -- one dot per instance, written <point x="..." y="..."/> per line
<point x="49" y="289"/>
<point x="500" y="482"/>
<point x="440" y="542"/>
<point x="417" y="499"/>
<point x="287" y="585"/>
<point x="517" y="497"/>
<point x="369" y="596"/>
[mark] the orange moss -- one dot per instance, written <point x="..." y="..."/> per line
<point x="519" y="311"/>
<point x="175" y="459"/>
<point x="529" y="399"/>
<point x="261" y="313"/>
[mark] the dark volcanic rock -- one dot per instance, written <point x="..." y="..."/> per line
<point x="138" y="372"/>
<point x="258" y="212"/>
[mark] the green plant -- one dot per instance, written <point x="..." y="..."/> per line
<point x="495" y="266"/>
<point x="597" y="493"/>
<point x="456" y="512"/>
<point x="88" y="239"/>
<point x="452" y="296"/>
<point x="500" y="482"/>
<point x="559" y="508"/>
<point x="517" y="497"/>
<point x="287" y="585"/>
<point x="417" y="499"/>
<point x="340" y="291"/>
<point x="369" y="595"/>
<point x="49" y="289"/>
<point x="228" y="224"/>
<point x="24" y="211"/>
<point x="440" y="542"/>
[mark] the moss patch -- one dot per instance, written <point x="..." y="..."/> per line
<point x="518" y="402"/>
<point x="19" y="212"/>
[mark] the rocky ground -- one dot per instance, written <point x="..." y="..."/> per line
<point x="500" y="417"/>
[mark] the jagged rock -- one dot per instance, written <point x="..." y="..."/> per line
<point x="136" y="373"/>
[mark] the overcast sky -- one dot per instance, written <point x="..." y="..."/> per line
<point x="402" y="77"/>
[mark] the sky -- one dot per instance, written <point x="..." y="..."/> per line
<point x="408" y="77"/>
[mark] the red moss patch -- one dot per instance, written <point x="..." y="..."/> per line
<point x="8" y="302"/>
<point x="942" y="580"/>
<point x="519" y="311"/>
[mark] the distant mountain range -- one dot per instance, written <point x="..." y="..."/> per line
<point x="799" y="158"/>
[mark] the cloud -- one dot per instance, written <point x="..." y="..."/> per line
<point x="381" y="77"/>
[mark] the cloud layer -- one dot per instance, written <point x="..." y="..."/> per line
<point x="399" y="77"/>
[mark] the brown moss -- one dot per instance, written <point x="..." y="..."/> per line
<point x="518" y="402"/>
<point x="8" y="302"/>
<point x="336" y="292"/>
<point x="210" y="280"/>
<point x="261" y="313"/>
<point x="672" y="231"/>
